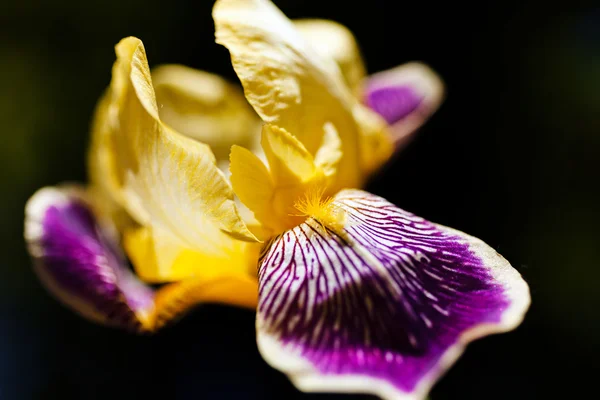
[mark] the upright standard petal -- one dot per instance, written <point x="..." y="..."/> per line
<point x="291" y="85"/>
<point x="168" y="182"/>
<point x="78" y="260"/>
<point x="165" y="174"/>
<point x="382" y="303"/>
<point x="205" y="107"/>
<point x="104" y="182"/>
<point x="405" y="96"/>
<point x="332" y="39"/>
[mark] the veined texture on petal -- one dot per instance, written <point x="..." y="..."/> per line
<point x="383" y="303"/>
<point x="205" y="107"/>
<point x="293" y="86"/>
<point x="405" y="96"/>
<point x="79" y="262"/>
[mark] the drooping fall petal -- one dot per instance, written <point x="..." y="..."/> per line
<point x="405" y="96"/>
<point x="382" y="303"/>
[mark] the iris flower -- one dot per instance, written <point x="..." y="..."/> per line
<point x="263" y="208"/>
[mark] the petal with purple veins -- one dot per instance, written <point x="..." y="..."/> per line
<point x="405" y="96"/>
<point x="77" y="260"/>
<point x="383" y="305"/>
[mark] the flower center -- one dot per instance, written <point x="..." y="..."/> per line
<point x="315" y="204"/>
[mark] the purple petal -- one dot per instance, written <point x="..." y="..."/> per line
<point x="405" y="96"/>
<point x="383" y="306"/>
<point x="394" y="103"/>
<point x="78" y="262"/>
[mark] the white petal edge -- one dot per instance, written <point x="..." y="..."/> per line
<point x="308" y="379"/>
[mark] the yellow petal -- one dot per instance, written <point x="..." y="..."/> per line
<point x="153" y="253"/>
<point x="200" y="279"/>
<point x="329" y="154"/>
<point x="103" y="179"/>
<point x="175" y="299"/>
<point x="286" y="81"/>
<point x="252" y="182"/>
<point x="277" y="196"/>
<point x="158" y="256"/>
<point x="205" y="107"/>
<point x="334" y="40"/>
<point x="169" y="181"/>
<point x="289" y="161"/>
<point x="331" y="39"/>
<point x="376" y="146"/>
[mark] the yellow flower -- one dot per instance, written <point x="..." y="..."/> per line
<point x="161" y="156"/>
<point x="352" y="293"/>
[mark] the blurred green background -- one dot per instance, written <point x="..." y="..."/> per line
<point x="511" y="157"/>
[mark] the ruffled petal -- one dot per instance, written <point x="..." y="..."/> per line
<point x="405" y="96"/>
<point x="166" y="175"/>
<point x="291" y="85"/>
<point x="78" y="261"/>
<point x="164" y="181"/>
<point x="205" y="107"/>
<point x="332" y="39"/>
<point x="383" y="303"/>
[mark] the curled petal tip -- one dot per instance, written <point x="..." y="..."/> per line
<point x="383" y="308"/>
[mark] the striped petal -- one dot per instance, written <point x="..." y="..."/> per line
<point x="78" y="262"/>
<point x="405" y="96"/>
<point x="382" y="305"/>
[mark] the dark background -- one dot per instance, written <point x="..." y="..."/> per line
<point x="511" y="157"/>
